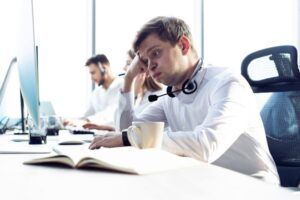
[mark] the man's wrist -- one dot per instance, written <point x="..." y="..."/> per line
<point x="125" y="138"/>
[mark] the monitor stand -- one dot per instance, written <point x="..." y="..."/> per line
<point x="37" y="139"/>
<point x="23" y="132"/>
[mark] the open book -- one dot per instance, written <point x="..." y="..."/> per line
<point x="123" y="159"/>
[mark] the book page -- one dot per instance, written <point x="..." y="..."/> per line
<point x="59" y="159"/>
<point x="71" y="158"/>
<point x="129" y="159"/>
<point x="74" y="152"/>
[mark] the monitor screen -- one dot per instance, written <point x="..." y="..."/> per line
<point x="27" y="59"/>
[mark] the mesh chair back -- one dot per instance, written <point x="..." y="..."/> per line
<point x="274" y="75"/>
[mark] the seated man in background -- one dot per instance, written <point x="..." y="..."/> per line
<point x="104" y="99"/>
<point x="212" y="115"/>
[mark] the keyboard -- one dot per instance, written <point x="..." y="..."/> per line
<point x="83" y="132"/>
<point x="79" y="130"/>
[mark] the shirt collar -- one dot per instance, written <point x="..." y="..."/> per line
<point x="198" y="77"/>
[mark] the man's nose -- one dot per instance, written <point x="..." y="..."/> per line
<point x="152" y="65"/>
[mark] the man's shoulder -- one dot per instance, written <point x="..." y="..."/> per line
<point x="97" y="89"/>
<point x="216" y="70"/>
<point x="116" y="85"/>
<point x="222" y="73"/>
<point x="117" y="82"/>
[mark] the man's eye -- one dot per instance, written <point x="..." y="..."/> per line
<point x="156" y="53"/>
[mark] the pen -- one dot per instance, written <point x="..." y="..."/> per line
<point x="122" y="74"/>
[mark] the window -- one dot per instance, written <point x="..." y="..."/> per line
<point x="118" y="21"/>
<point x="61" y="35"/>
<point x="234" y="29"/>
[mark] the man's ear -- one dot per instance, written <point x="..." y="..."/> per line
<point x="184" y="44"/>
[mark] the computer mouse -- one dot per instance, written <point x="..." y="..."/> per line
<point x="71" y="142"/>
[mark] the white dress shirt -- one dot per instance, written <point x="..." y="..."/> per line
<point x="103" y="103"/>
<point x="144" y="102"/>
<point x="219" y="123"/>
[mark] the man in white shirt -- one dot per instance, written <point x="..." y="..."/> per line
<point x="212" y="116"/>
<point x="104" y="98"/>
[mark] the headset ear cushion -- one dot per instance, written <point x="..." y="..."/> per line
<point x="189" y="87"/>
<point x="169" y="92"/>
<point x="103" y="72"/>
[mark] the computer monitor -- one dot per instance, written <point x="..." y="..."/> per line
<point x="27" y="60"/>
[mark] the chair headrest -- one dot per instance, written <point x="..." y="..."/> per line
<point x="272" y="67"/>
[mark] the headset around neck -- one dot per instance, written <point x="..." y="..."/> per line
<point x="189" y="86"/>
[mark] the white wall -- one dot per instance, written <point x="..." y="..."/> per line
<point x="7" y="52"/>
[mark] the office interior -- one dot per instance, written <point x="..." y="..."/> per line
<point x="231" y="31"/>
<point x="68" y="32"/>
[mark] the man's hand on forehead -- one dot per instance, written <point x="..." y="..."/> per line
<point x="137" y="66"/>
<point x="137" y="61"/>
<point x="142" y="61"/>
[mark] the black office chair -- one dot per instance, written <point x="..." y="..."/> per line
<point x="274" y="76"/>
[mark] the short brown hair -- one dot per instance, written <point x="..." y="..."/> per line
<point x="100" y="58"/>
<point x="167" y="29"/>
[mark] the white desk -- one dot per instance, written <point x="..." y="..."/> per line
<point x="27" y="182"/>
